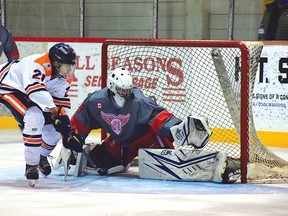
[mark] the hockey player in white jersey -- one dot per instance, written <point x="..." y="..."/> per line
<point x="136" y="122"/>
<point x="35" y="89"/>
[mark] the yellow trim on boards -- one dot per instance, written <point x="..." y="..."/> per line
<point x="265" y="2"/>
<point x="274" y="139"/>
<point x="8" y="122"/>
<point x="269" y="138"/>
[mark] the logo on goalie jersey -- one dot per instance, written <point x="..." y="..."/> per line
<point x="179" y="134"/>
<point x="116" y="122"/>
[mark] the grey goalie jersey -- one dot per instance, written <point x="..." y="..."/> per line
<point x="124" y="124"/>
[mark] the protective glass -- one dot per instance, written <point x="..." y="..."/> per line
<point x="125" y="93"/>
<point x="67" y="71"/>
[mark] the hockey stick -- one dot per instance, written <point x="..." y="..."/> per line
<point x="226" y="86"/>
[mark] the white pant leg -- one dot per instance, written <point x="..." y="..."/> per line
<point x="50" y="138"/>
<point x="32" y="134"/>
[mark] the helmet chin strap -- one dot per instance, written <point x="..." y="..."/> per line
<point x="120" y="101"/>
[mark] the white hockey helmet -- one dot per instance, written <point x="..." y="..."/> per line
<point x="120" y="82"/>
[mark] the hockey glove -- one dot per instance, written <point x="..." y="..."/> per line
<point x="61" y="122"/>
<point x="73" y="141"/>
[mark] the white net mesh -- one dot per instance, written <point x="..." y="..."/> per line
<point x="203" y="79"/>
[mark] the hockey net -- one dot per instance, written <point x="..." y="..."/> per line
<point x="214" y="79"/>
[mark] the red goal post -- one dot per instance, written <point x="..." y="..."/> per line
<point x="214" y="79"/>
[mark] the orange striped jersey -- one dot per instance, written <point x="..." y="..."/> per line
<point x="33" y="76"/>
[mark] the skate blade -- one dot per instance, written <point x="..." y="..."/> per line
<point x="32" y="182"/>
<point x="43" y="175"/>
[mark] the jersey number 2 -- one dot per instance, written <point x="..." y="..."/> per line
<point x="38" y="75"/>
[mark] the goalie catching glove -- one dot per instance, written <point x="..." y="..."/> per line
<point x="192" y="131"/>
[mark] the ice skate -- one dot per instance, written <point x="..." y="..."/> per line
<point x="31" y="174"/>
<point x="233" y="170"/>
<point x="192" y="131"/>
<point x="44" y="166"/>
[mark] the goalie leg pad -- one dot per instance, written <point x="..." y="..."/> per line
<point x="192" y="131"/>
<point x="181" y="165"/>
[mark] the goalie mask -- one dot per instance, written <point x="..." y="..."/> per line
<point x="119" y="82"/>
<point x="63" y="59"/>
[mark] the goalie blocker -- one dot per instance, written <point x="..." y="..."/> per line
<point x="187" y="165"/>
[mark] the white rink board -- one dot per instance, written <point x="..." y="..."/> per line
<point x="270" y="113"/>
<point x="87" y="76"/>
<point x="270" y="102"/>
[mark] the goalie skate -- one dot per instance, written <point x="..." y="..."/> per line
<point x="192" y="131"/>
<point x="100" y="171"/>
<point x="233" y="171"/>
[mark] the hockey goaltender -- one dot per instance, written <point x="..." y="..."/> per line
<point x="137" y="126"/>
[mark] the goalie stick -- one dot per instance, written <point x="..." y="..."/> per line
<point x="226" y="86"/>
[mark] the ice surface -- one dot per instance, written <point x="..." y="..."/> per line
<point x="126" y="194"/>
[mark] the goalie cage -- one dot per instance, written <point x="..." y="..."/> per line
<point x="214" y="79"/>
